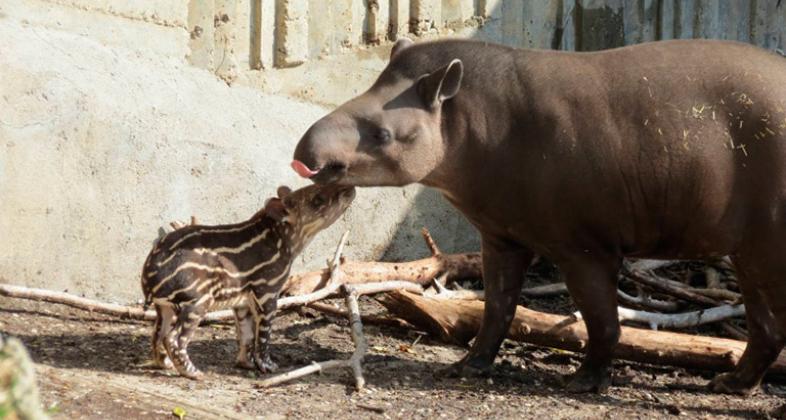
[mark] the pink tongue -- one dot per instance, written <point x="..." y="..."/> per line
<point x="302" y="169"/>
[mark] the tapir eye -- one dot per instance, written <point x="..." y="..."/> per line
<point x="383" y="136"/>
<point x="317" y="201"/>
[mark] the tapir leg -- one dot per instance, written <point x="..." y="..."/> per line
<point x="165" y="317"/>
<point x="177" y="341"/>
<point x="503" y="274"/>
<point x="592" y="283"/>
<point x="246" y="331"/>
<point x="757" y="276"/>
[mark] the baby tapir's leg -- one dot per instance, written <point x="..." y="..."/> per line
<point x="246" y="331"/>
<point x="165" y="315"/>
<point x="266" y="305"/>
<point x="177" y="340"/>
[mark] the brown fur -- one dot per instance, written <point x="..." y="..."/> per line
<point x="672" y="149"/>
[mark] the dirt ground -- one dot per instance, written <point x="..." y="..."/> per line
<point x="90" y="366"/>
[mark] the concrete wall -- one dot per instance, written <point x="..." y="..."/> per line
<point x="117" y="117"/>
<point x="286" y="33"/>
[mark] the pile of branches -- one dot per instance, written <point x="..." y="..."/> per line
<point x="679" y="295"/>
<point x="424" y="295"/>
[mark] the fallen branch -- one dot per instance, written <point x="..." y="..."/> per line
<point x="43" y="295"/>
<point x="552" y="289"/>
<point x="138" y="313"/>
<point x="458" y="266"/>
<point x="350" y="293"/>
<point x="356" y="329"/>
<point x="721" y="294"/>
<point x="430" y="243"/>
<point x="361" y="346"/>
<point x="457" y="321"/>
<point x="442" y="292"/>
<point x="712" y="277"/>
<point x="682" y="320"/>
<point x="455" y="266"/>
<point x="667" y="288"/>
<point x="545" y="290"/>
<point x="647" y="302"/>
<point x="734" y="331"/>
<point x="387" y="321"/>
<point x="649" y="265"/>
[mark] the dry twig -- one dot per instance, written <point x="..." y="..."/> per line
<point x="647" y="302"/>
<point x="388" y="321"/>
<point x="361" y="346"/>
<point x="681" y="320"/>
<point x="667" y="288"/>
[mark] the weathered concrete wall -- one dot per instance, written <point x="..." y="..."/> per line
<point x="112" y="122"/>
<point x="587" y="25"/>
<point x="303" y="30"/>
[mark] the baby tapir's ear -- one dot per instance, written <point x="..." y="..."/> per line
<point x="283" y="191"/>
<point x="275" y="208"/>
<point x="443" y="84"/>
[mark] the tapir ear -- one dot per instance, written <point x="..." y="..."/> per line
<point x="400" y="44"/>
<point x="283" y="191"/>
<point x="441" y="85"/>
<point x="275" y="208"/>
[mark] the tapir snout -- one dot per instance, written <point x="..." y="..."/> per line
<point x="321" y="153"/>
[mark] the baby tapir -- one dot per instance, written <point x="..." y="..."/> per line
<point x="243" y="266"/>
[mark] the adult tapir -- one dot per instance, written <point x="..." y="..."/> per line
<point x="673" y="149"/>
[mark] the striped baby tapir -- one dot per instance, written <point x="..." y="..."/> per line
<point x="242" y="266"/>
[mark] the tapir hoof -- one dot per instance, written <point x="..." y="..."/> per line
<point x="465" y="368"/>
<point x="589" y="380"/>
<point x="244" y="364"/>
<point x="265" y="365"/>
<point x="729" y="383"/>
<point x="163" y="363"/>
<point x="193" y="375"/>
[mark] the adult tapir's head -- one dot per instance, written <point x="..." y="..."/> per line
<point x="391" y="134"/>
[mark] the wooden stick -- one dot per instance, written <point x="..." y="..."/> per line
<point x="443" y="292"/>
<point x="457" y="266"/>
<point x="138" y="313"/>
<point x="647" y="302"/>
<point x="721" y="294"/>
<point x="545" y="290"/>
<point x="334" y="265"/>
<point x="43" y="295"/>
<point x="354" y="362"/>
<point x="712" y="277"/>
<point x="681" y="320"/>
<point x="457" y="321"/>
<point x="430" y="243"/>
<point x="735" y="331"/>
<point x="649" y="265"/>
<point x="356" y="328"/>
<point x="351" y="293"/>
<point x="665" y="287"/>
<point x="387" y="321"/>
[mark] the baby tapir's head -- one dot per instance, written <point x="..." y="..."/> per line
<point x="307" y="211"/>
